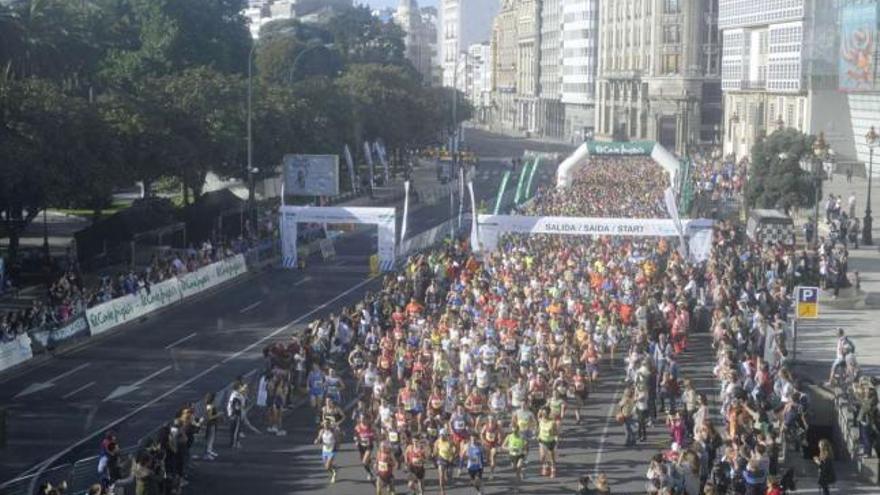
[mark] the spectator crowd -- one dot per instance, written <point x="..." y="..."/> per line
<point x="69" y="296"/>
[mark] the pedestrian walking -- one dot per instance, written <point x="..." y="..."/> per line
<point x="825" y="462"/>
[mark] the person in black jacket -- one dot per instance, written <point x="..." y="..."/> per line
<point x="825" y="461"/>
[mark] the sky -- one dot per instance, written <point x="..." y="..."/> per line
<point x="380" y="4"/>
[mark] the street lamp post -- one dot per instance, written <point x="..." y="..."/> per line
<point x="871" y="139"/>
<point x="820" y="151"/>
<point x="250" y="134"/>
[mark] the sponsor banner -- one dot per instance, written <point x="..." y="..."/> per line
<point x="212" y="275"/>
<point x="383" y="159"/>
<point x="537" y="164"/>
<point x="504" y="179"/>
<point x="368" y="153"/>
<point x="48" y="339"/>
<point x="383" y="218"/>
<point x="634" y="148"/>
<point x="350" y="162"/>
<point x="121" y="310"/>
<point x="311" y="175"/>
<point x="405" y="210"/>
<point x="15" y="351"/>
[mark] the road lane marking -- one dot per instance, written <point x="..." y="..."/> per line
<point x="250" y="307"/>
<point x="114" y="423"/>
<point x="38" y="386"/>
<point x="71" y="394"/>
<point x="180" y="341"/>
<point x="302" y="280"/>
<point x="127" y="389"/>
<point x="601" y="449"/>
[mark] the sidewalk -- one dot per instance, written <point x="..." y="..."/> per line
<point x="857" y="311"/>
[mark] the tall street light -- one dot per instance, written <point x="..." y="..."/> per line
<point x="250" y="134"/>
<point x="820" y="151"/>
<point x="872" y="139"/>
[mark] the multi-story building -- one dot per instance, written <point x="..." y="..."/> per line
<point x="260" y="12"/>
<point x="551" y="112"/>
<point x="580" y="36"/>
<point x="504" y="69"/>
<point x="430" y="19"/>
<point x="528" y="54"/>
<point x="462" y="23"/>
<point x="417" y="38"/>
<point x="779" y="69"/>
<point x="479" y="79"/>
<point x="659" y="71"/>
<point x="516" y="53"/>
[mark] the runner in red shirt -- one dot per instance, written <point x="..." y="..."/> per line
<point x="385" y="465"/>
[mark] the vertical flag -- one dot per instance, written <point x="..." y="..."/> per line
<point x="460" y="194"/>
<point x="528" y="192"/>
<point x="672" y="208"/>
<point x="383" y="158"/>
<point x="405" y="210"/>
<point x="369" y="155"/>
<point x="501" y="190"/>
<point x="350" y="162"/>
<point x="522" y="179"/>
<point x="475" y="234"/>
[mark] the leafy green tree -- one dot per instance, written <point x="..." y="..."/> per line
<point x="61" y="153"/>
<point x="776" y="179"/>
<point x="205" y="114"/>
<point x="47" y="38"/>
<point x="173" y="36"/>
<point x="362" y="38"/>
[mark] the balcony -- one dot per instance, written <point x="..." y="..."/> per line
<point x="759" y="84"/>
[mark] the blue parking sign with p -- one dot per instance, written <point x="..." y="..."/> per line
<point x="808" y="302"/>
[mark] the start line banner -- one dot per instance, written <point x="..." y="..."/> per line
<point x="491" y="227"/>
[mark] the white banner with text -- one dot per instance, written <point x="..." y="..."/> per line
<point x="491" y="227"/>
<point x="15" y="351"/>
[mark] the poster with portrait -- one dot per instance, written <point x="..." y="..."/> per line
<point x="858" y="47"/>
<point x="311" y="175"/>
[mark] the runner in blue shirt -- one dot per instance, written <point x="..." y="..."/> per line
<point x="316" y="390"/>
<point x="474" y="455"/>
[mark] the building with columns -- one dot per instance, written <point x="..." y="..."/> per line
<point x="659" y="72"/>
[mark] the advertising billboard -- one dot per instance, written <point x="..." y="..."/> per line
<point x="857" y="66"/>
<point x="311" y="175"/>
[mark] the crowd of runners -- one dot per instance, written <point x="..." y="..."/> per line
<point x="467" y="365"/>
<point x="611" y="187"/>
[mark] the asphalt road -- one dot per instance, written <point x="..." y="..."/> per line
<point x="139" y="375"/>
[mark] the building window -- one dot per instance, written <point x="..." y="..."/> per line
<point x="671" y="6"/>
<point x="672" y="34"/>
<point x="670" y="63"/>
